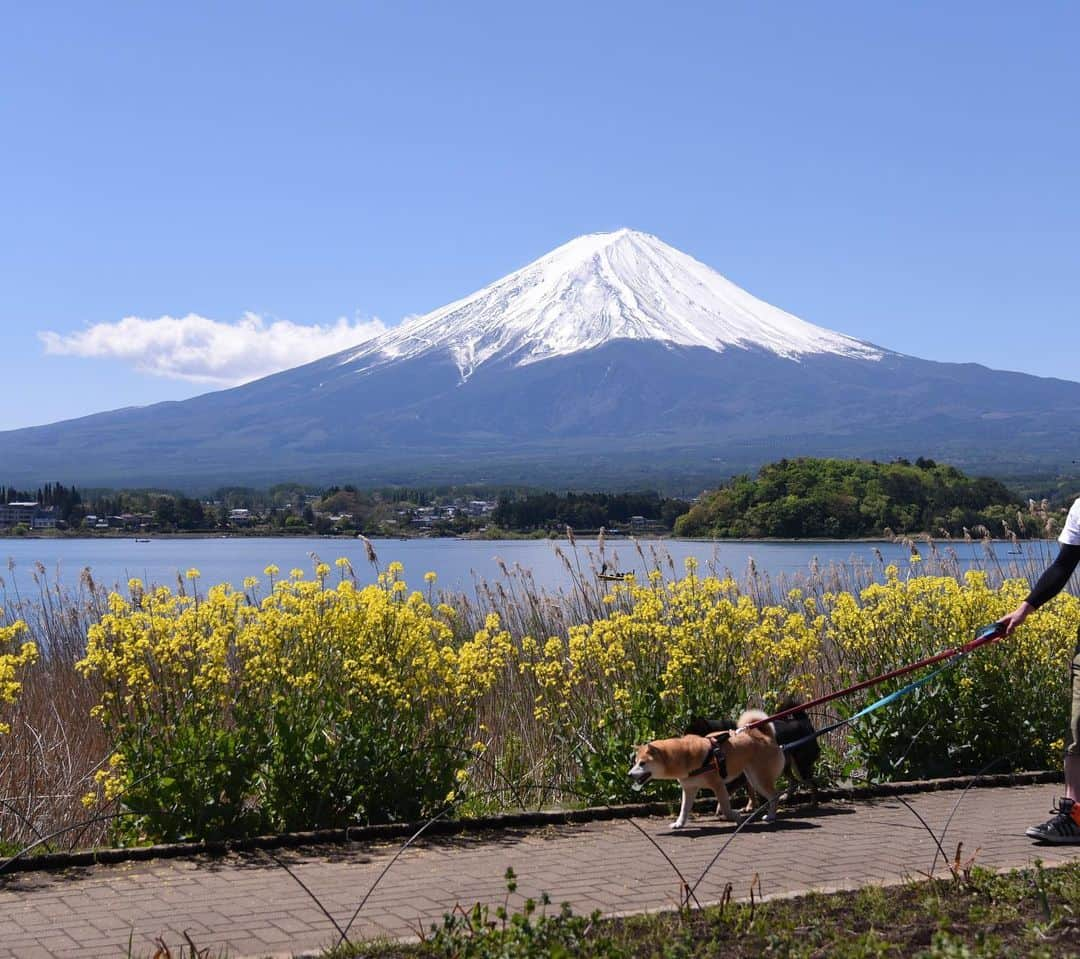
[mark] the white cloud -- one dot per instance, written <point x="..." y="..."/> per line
<point x="207" y="351"/>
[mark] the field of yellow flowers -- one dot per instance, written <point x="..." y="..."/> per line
<point x="303" y="702"/>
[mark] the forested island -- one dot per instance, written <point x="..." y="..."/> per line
<point x="834" y="498"/>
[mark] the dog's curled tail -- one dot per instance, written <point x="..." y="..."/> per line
<point x="753" y="716"/>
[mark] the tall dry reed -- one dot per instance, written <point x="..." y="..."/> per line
<point x="48" y="759"/>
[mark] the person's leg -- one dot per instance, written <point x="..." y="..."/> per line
<point x="1064" y="827"/>
<point x="1072" y="748"/>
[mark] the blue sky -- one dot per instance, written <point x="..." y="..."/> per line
<point x="905" y="173"/>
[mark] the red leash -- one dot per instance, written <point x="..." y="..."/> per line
<point x="987" y="634"/>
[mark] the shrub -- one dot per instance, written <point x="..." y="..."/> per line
<point x="666" y="651"/>
<point x="1004" y="704"/>
<point x="313" y="707"/>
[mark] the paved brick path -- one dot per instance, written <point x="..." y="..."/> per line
<point x="251" y="906"/>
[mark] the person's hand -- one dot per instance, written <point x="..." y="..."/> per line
<point x="1016" y="617"/>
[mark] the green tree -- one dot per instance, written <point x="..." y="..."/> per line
<point x="840" y="498"/>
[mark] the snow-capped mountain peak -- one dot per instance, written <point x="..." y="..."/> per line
<point x="597" y="288"/>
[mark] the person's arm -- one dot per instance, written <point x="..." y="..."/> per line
<point x="1051" y="583"/>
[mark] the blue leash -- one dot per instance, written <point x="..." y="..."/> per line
<point x="983" y="635"/>
<point x="884" y="701"/>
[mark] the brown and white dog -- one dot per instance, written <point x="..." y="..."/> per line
<point x="711" y="762"/>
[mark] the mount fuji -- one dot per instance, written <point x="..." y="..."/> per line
<point x="614" y="360"/>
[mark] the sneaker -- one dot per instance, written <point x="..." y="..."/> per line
<point x="1063" y="828"/>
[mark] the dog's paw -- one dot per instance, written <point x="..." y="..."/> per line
<point x="678" y="824"/>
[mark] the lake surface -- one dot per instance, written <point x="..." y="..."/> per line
<point x="459" y="564"/>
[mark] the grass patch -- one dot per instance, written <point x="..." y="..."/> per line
<point x="1024" y="913"/>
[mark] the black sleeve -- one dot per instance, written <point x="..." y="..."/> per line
<point x="1056" y="576"/>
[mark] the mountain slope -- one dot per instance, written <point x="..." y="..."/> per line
<point x="614" y="360"/>
<point x="595" y="289"/>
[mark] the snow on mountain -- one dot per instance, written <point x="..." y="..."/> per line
<point x="595" y="289"/>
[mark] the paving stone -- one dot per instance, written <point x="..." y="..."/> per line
<point x="247" y="906"/>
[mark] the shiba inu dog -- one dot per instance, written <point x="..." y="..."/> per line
<point x="710" y="762"/>
<point x="796" y="729"/>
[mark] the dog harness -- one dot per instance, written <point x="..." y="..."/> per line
<point x="714" y="758"/>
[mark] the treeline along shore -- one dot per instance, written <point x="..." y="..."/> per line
<point x="793" y="498"/>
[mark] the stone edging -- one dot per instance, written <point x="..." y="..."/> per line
<point x="522" y="820"/>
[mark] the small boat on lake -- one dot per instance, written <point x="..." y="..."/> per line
<point x="610" y="575"/>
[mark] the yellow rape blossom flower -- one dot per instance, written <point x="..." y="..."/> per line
<point x="323" y="657"/>
<point x="16" y="654"/>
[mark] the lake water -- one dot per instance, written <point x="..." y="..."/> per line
<point x="457" y="563"/>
